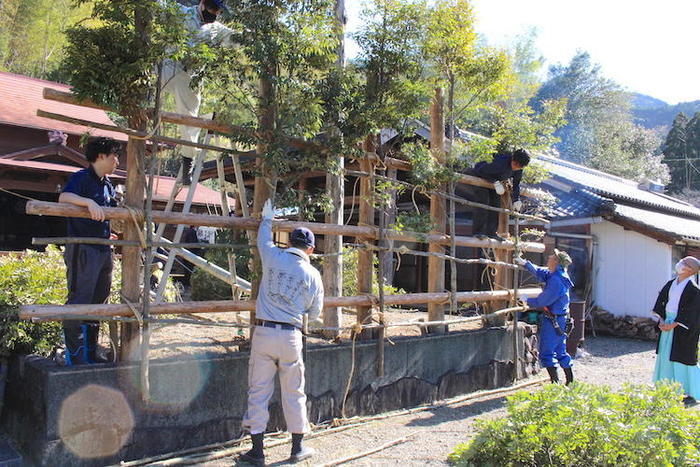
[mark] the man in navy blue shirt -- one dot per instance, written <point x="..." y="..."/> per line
<point x="89" y="267"/>
<point x="502" y="168"/>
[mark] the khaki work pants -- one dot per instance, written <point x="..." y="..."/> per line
<point x="176" y="81"/>
<point x="274" y="350"/>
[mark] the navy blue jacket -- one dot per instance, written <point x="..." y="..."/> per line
<point x="498" y="170"/>
<point x="87" y="184"/>
<point x="555" y="295"/>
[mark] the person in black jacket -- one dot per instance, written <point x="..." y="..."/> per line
<point x="503" y="167"/>
<point x="678" y="307"/>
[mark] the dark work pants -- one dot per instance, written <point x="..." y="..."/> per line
<point x="89" y="274"/>
<point x="484" y="222"/>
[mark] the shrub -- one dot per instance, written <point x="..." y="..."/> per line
<point x="204" y="286"/>
<point x="30" y="278"/>
<point x="588" y="425"/>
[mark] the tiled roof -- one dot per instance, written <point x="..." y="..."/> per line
<point x="666" y="223"/>
<point x="21" y="96"/>
<point x="578" y="204"/>
<point x="616" y="188"/>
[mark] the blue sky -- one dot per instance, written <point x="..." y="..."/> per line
<point x="646" y="46"/>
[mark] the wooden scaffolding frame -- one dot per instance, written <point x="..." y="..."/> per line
<point x="370" y="239"/>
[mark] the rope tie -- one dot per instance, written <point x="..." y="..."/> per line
<point x="137" y="217"/>
<point x="133" y="309"/>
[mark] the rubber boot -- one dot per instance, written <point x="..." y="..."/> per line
<point x="256" y="455"/>
<point x="186" y="171"/>
<point x="299" y="451"/>
<point x="568" y="372"/>
<point x="553" y="376"/>
<point x="76" y="348"/>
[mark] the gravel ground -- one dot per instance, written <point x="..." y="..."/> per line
<point x="434" y="433"/>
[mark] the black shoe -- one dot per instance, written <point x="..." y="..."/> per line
<point x="497" y="238"/>
<point x="689" y="401"/>
<point x="568" y="372"/>
<point x="303" y="454"/>
<point x="252" y="457"/>
<point x="186" y="171"/>
<point x="553" y="376"/>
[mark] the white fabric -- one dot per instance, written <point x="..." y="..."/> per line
<point x="274" y="349"/>
<point x="187" y="101"/>
<point x="674" y="295"/>
<point x="177" y="81"/>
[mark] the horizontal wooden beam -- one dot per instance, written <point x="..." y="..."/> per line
<point x="60" y="312"/>
<point x="44" y="208"/>
<point x="198" y="122"/>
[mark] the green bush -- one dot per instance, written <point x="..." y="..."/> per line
<point x="588" y="425"/>
<point x="32" y="278"/>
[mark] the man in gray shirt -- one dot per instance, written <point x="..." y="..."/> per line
<point x="290" y="287"/>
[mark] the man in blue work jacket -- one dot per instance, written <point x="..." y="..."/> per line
<point x="554" y="301"/>
<point x="89" y="267"/>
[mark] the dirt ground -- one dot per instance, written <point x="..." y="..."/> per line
<point x="433" y="433"/>
<point x="189" y="339"/>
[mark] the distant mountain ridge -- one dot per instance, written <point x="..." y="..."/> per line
<point x="651" y="112"/>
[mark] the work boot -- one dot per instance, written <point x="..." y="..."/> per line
<point x="299" y="451"/>
<point x="568" y="372"/>
<point x="255" y="456"/>
<point x="553" y="376"/>
<point x="186" y="171"/>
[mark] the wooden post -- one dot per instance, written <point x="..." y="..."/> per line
<point x="389" y="219"/>
<point x="436" y="266"/>
<point x="335" y="186"/>
<point x="503" y="279"/>
<point x="135" y="156"/>
<point x="366" y="218"/>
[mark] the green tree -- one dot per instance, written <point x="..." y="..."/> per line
<point x="692" y="166"/>
<point x="390" y="59"/>
<point x="32" y="34"/>
<point x="675" y="151"/>
<point x="469" y="70"/>
<point x="600" y="131"/>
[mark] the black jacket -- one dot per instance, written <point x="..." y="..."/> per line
<point x="684" y="348"/>
<point x="500" y="170"/>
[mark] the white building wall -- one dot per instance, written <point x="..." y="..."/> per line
<point x="630" y="270"/>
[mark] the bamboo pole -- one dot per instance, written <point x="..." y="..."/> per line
<point x="141" y="134"/>
<point x="516" y="284"/>
<point x="45" y="208"/>
<point x="436" y="266"/>
<point x="29" y="312"/>
<point x="365" y="267"/>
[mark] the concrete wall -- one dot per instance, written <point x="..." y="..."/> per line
<point x="630" y="270"/>
<point x="95" y="415"/>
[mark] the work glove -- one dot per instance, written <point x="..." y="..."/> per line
<point x="520" y="261"/>
<point x="498" y="186"/>
<point x="267" y="211"/>
<point x="517" y="205"/>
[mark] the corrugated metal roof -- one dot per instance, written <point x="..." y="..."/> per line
<point x="21" y="96"/>
<point x="616" y="188"/>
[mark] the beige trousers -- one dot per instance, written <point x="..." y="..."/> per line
<point x="276" y="350"/>
<point x="176" y="81"/>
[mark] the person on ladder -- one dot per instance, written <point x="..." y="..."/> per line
<point x="554" y="300"/>
<point x="290" y="287"/>
<point x="89" y="267"/>
<point x="201" y="22"/>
